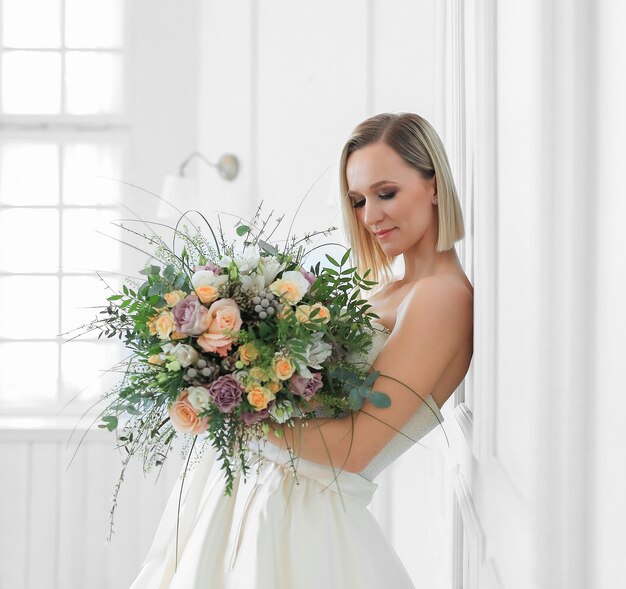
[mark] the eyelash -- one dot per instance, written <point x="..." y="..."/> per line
<point x="385" y="196"/>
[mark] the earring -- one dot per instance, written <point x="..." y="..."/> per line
<point x="436" y="200"/>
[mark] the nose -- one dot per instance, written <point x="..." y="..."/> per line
<point x="372" y="213"/>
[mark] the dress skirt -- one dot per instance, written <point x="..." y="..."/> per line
<point x="275" y="531"/>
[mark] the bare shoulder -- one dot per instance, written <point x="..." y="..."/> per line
<point x="438" y="302"/>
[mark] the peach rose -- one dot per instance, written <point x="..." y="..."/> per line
<point x="259" y="397"/>
<point x="248" y="353"/>
<point x="150" y="324"/>
<point x="184" y="417"/>
<point x="283" y="367"/>
<point x="164" y="325"/>
<point x="171" y="298"/>
<point x="207" y="293"/>
<point x="177" y="335"/>
<point x="216" y="343"/>
<point x="224" y="320"/>
<point x="156" y="360"/>
<point x="274" y="386"/>
<point x="303" y="313"/>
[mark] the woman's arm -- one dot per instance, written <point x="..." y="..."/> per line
<point x="432" y="324"/>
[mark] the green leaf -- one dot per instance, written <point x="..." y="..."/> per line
<point x="371" y="378"/>
<point x="345" y="375"/>
<point x="355" y="400"/>
<point x="332" y="260"/>
<point x="110" y="422"/>
<point x="180" y="280"/>
<point x="242" y="230"/>
<point x="157" y="288"/>
<point x="345" y="258"/>
<point x="116" y="297"/>
<point x="380" y="400"/>
<point x="266" y="247"/>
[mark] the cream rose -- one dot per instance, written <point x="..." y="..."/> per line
<point x="303" y="313"/>
<point x="199" y="398"/>
<point x="171" y="298"/>
<point x="283" y="367"/>
<point x="164" y="325"/>
<point x="248" y="353"/>
<point x="291" y="287"/>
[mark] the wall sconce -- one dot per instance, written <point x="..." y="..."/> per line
<point x="181" y="192"/>
<point x="227" y="165"/>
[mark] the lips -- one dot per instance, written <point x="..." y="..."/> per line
<point x="383" y="233"/>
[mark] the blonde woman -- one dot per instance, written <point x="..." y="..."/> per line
<point x="399" y="199"/>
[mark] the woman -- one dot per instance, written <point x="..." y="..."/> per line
<point x="315" y="530"/>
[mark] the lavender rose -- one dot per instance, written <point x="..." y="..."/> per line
<point x="310" y="277"/>
<point x="190" y="316"/>
<point x="212" y="267"/>
<point x="226" y="393"/>
<point x="305" y="387"/>
<point x="250" y="418"/>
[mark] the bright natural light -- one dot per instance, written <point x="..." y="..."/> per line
<point x="31" y="82"/>
<point x="21" y="30"/>
<point x="61" y="84"/>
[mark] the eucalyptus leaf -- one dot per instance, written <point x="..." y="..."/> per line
<point x="355" y="400"/>
<point x="380" y="400"/>
<point x="266" y="247"/>
<point x="371" y="378"/>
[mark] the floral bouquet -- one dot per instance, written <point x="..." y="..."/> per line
<point x="230" y="337"/>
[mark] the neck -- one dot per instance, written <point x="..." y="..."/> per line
<point x="418" y="265"/>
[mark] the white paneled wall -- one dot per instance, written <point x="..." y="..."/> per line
<point x="54" y="516"/>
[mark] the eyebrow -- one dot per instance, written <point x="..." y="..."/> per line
<point x="352" y="194"/>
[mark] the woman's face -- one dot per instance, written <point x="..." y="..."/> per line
<point x="390" y="198"/>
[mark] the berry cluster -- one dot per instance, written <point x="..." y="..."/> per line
<point x="265" y="304"/>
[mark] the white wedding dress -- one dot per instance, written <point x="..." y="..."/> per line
<point x="276" y="532"/>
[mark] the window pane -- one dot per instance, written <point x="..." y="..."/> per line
<point x="29" y="240"/>
<point x="87" y="369"/>
<point x="34" y="305"/>
<point x="84" y="249"/>
<point x="19" y="185"/>
<point x="83" y="299"/>
<point x="93" y="23"/>
<point x="94" y="82"/>
<point x="31" y="82"/>
<point x="32" y="380"/>
<point x="82" y="164"/>
<point x="21" y="28"/>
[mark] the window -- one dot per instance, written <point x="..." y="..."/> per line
<point x="63" y="145"/>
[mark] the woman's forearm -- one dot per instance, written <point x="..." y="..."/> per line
<point x="331" y="442"/>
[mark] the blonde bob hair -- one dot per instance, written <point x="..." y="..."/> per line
<point x="415" y="140"/>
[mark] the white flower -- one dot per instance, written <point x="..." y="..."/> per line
<point x="254" y="284"/>
<point x="225" y="261"/>
<point x="240" y="375"/>
<point x="199" y="398"/>
<point x="208" y="278"/>
<point x="183" y="353"/>
<point x="247" y="261"/>
<point x="282" y="412"/>
<point x="318" y="351"/>
<point x="269" y="269"/>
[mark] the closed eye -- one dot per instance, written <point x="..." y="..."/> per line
<point x="384" y="196"/>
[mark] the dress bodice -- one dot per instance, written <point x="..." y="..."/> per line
<point x="426" y="418"/>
